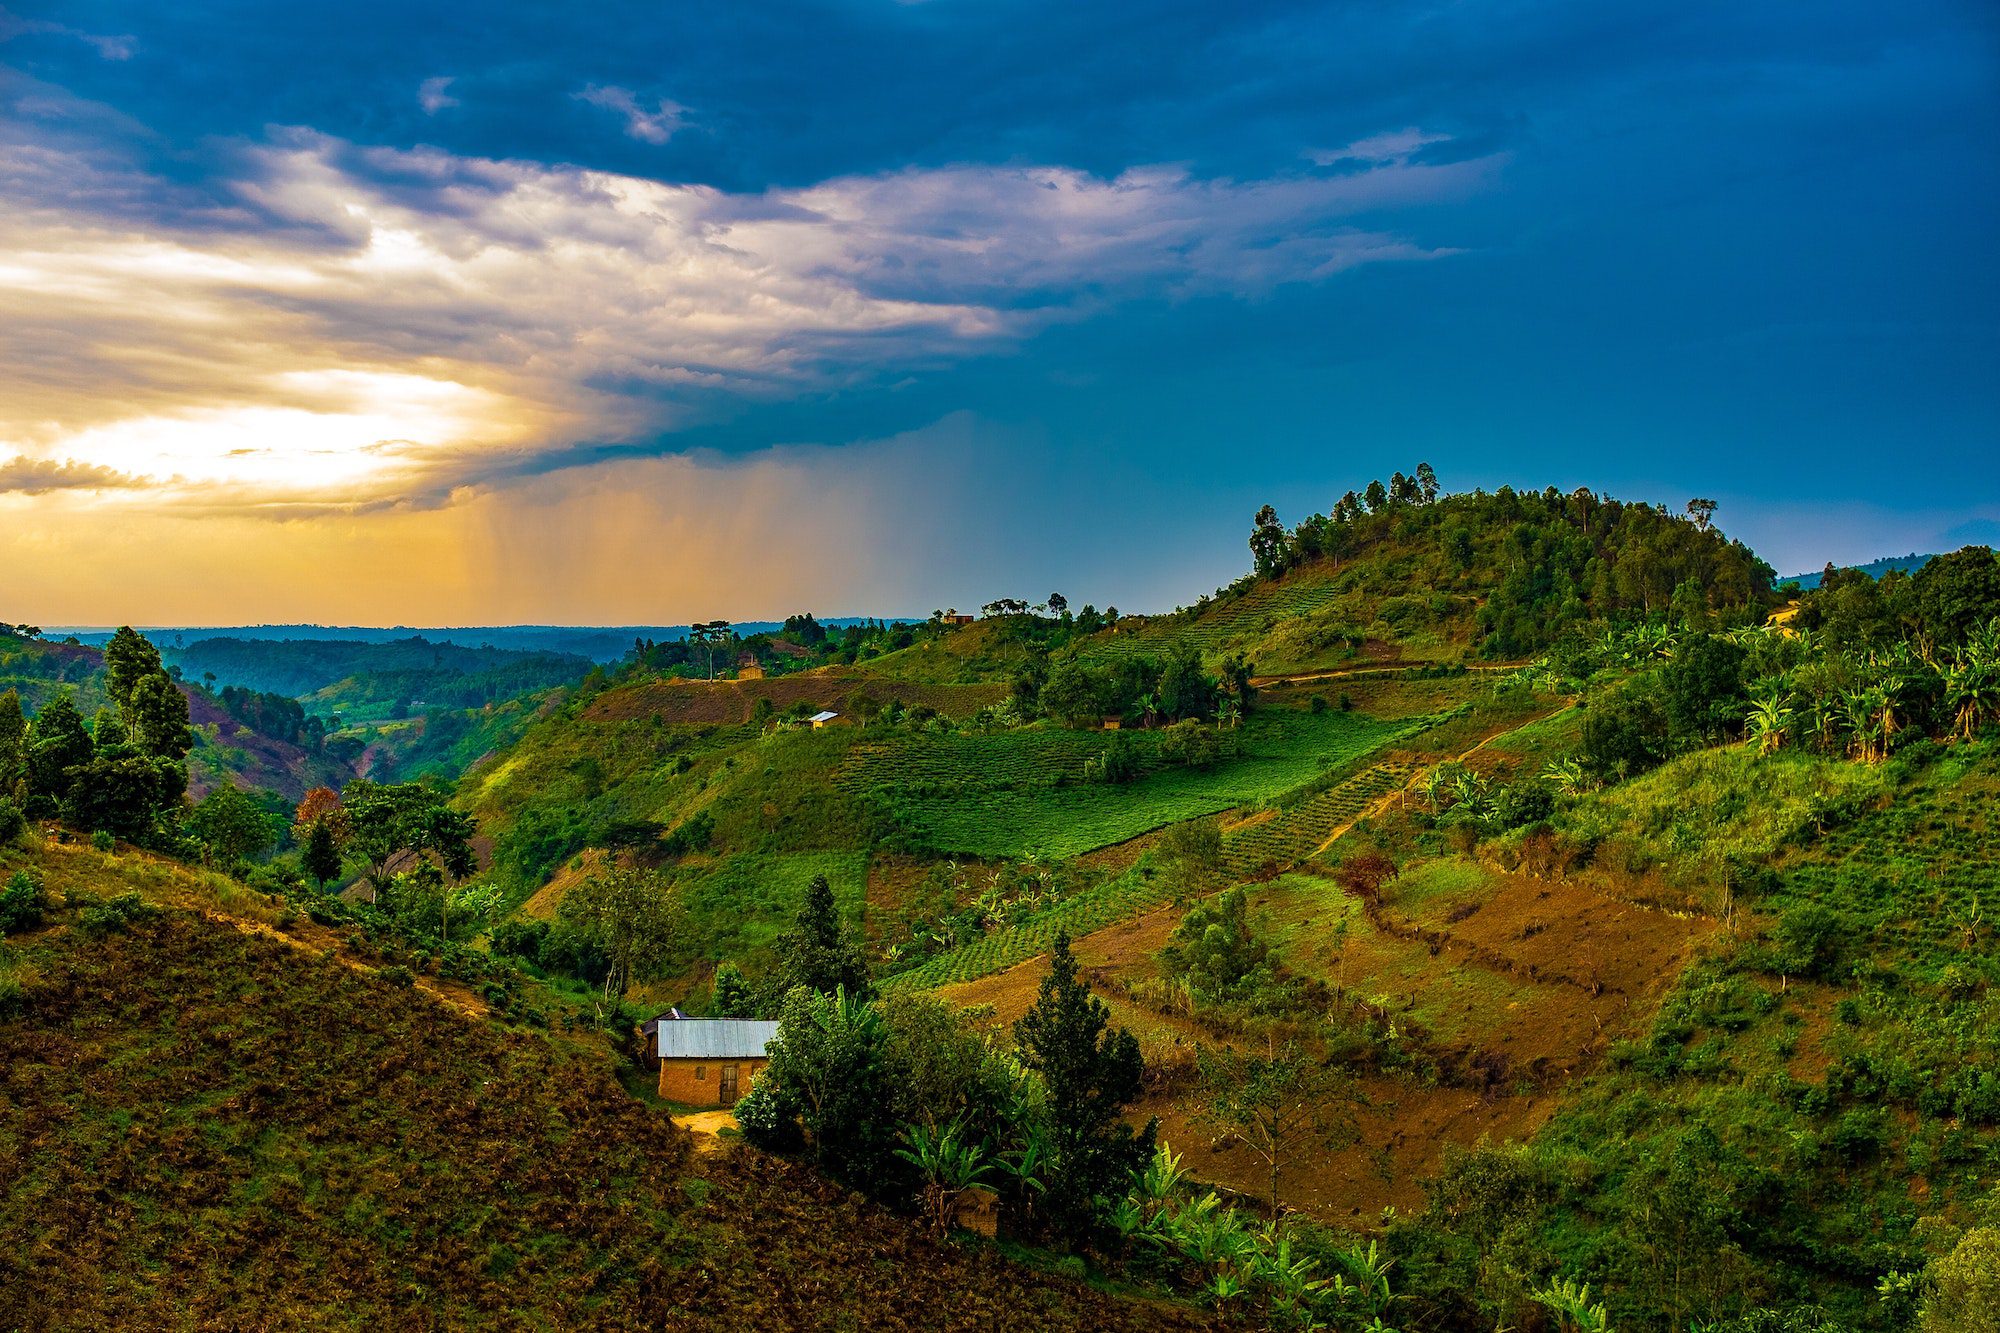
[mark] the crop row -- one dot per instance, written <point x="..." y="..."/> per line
<point x="1295" y="833"/>
<point x="1008" y="759"/>
<point x="1094" y="909"/>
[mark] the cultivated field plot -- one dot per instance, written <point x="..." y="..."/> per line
<point x="1093" y="910"/>
<point x="1925" y="871"/>
<point x="743" y="902"/>
<point x="729" y="702"/>
<point x="1290" y="835"/>
<point x="1537" y="974"/>
<point x="952" y="805"/>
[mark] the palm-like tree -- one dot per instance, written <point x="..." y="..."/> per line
<point x="1149" y="703"/>
<point x="1567" y="775"/>
<point x="1859" y="710"/>
<point x="1768" y="723"/>
<point x="1431" y="781"/>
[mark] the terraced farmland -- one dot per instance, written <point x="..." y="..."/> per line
<point x="1106" y="905"/>
<point x="1006" y="759"/>
<point x="1293" y="834"/>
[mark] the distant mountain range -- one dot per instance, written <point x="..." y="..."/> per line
<point x="1874" y="569"/>
<point x="599" y="643"/>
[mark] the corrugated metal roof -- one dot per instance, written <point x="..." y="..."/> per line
<point x="824" y="717"/>
<point x="715" y="1038"/>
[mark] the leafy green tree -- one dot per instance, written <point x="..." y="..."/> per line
<point x="732" y="997"/>
<point x="126" y="796"/>
<point x="321" y="856"/>
<point x="1956" y="592"/>
<point x="1701" y="688"/>
<point x="1626" y="733"/>
<point x="629" y="916"/>
<point x="1377" y="496"/>
<point x="13" y="740"/>
<point x="231" y="825"/>
<point x="1277" y="1104"/>
<point x="1267" y="542"/>
<point x="390" y="826"/>
<point x="108" y="733"/>
<point x="57" y="746"/>
<point x="128" y="659"/>
<point x="827" y="1068"/>
<point x="1190" y="745"/>
<point x="1427" y="482"/>
<point x="1184" y="688"/>
<point x="156" y="715"/>
<point x="1073" y="693"/>
<point x="1964" y="1286"/>
<point x="1215" y="955"/>
<point x="1090" y="1073"/>
<point x="817" y="952"/>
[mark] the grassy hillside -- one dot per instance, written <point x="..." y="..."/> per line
<point x="209" y="1123"/>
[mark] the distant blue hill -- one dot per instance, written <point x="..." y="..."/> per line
<point x="599" y="643"/>
<point x="1874" y="569"/>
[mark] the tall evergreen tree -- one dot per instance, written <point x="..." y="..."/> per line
<point x="817" y="953"/>
<point x="1091" y="1072"/>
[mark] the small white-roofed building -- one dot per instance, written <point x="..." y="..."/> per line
<point x="709" y="1061"/>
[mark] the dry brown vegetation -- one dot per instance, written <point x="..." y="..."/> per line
<point x="204" y="1127"/>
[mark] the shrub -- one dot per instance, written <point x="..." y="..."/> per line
<point x="102" y="841"/>
<point x="13" y="824"/>
<point x="22" y="902"/>
<point x="116" y="914"/>
<point x="399" y="975"/>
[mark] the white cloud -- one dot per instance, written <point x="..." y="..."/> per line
<point x="1393" y="146"/>
<point x="654" y="127"/>
<point x="357" y="325"/>
<point x="432" y="97"/>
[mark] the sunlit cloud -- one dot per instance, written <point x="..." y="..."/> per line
<point x="330" y="324"/>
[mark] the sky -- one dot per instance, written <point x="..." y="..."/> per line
<point x="408" y="313"/>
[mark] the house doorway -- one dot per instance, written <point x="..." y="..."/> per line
<point x="729" y="1085"/>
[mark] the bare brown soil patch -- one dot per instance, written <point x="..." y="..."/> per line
<point x="1404" y="1130"/>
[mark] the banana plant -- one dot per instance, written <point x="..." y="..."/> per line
<point x="1769" y="723"/>
<point x="1569" y="1301"/>
<point x="951" y="1164"/>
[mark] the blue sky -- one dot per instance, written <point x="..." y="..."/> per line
<point x="650" y="312"/>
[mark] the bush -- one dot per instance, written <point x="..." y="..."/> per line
<point x="22" y="902"/>
<point x="102" y="841"/>
<point x="13" y="824"/>
<point x="116" y="914"/>
<point x="767" y="1121"/>
<point x="399" y="975"/>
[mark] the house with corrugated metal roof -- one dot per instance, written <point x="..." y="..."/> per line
<point x="708" y="1061"/>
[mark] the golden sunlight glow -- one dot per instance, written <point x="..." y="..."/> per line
<point x="342" y="430"/>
